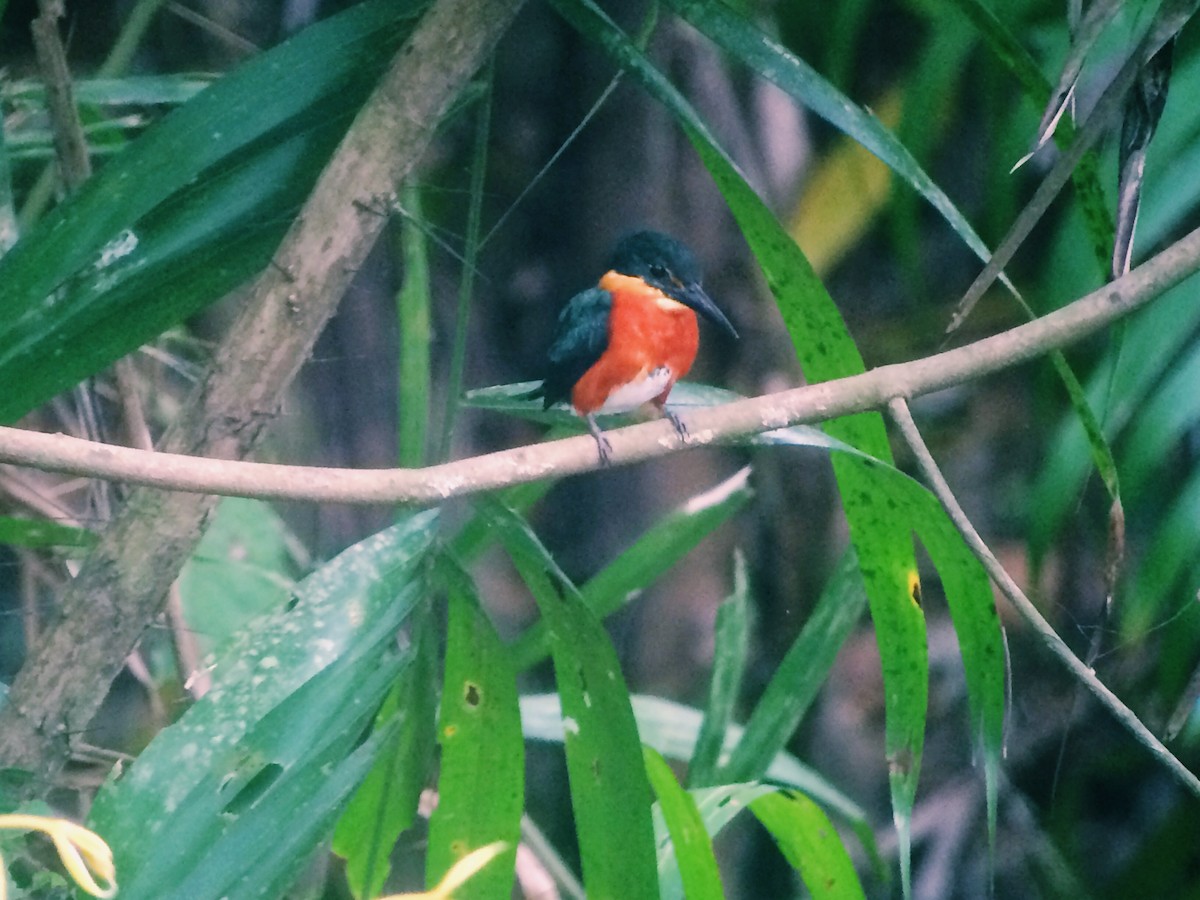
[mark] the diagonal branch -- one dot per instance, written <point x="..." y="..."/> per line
<point x="1024" y="606"/>
<point x="726" y="423"/>
<point x="122" y="586"/>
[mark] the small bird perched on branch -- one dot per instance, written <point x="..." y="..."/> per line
<point x="625" y="342"/>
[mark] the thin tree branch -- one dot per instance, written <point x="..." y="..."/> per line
<point x="123" y="584"/>
<point x="813" y="403"/>
<point x="69" y="143"/>
<point x="1024" y="606"/>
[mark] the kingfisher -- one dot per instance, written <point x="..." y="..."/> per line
<point x="624" y="343"/>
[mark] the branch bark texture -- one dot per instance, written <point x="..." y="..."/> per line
<point x="122" y="585"/>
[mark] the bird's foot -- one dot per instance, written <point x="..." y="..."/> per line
<point x="602" y="444"/>
<point x="680" y="428"/>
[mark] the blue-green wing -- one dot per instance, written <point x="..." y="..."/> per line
<point x="581" y="339"/>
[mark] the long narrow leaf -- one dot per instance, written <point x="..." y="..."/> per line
<point x="481" y="788"/>
<point x="800" y="675"/>
<point x="810" y="843"/>
<point x="413" y="315"/>
<point x="610" y="795"/>
<point x="729" y="664"/>
<point x="692" y="845"/>
<point x="716" y="808"/>
<point x="653" y="554"/>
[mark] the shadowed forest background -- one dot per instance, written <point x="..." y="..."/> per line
<point x="1081" y="810"/>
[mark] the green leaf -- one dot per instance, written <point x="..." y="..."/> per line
<point x="131" y="90"/>
<point x="810" y="843"/>
<point x="481" y="790"/>
<point x="412" y="313"/>
<point x="259" y="802"/>
<point x="610" y="794"/>
<point x="458" y="353"/>
<point x="667" y="542"/>
<point x="690" y="841"/>
<point x="732" y="643"/>
<point x="189" y="211"/>
<point x="36" y="533"/>
<point x="716" y="807"/>
<point x="349" y="609"/>
<point x="385" y="804"/>
<point x="240" y="569"/>
<point x="977" y="625"/>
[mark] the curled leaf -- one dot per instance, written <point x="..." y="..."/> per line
<point x="84" y="853"/>
<point x="461" y="872"/>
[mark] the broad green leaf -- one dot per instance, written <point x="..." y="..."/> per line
<point x="810" y="843"/>
<point x="347" y="609"/>
<point x="671" y="728"/>
<point x="481" y="789"/>
<point x="241" y="569"/>
<point x="732" y="643"/>
<point x="652" y="555"/>
<point x="610" y="795"/>
<point x="259" y="802"/>
<point x="882" y="541"/>
<point x="21" y="532"/>
<point x="690" y="841"/>
<point x="800" y="675"/>
<point x="189" y="211"/>
<point x="385" y="804"/>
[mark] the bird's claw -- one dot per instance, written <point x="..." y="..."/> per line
<point x="680" y="427"/>
<point x="602" y="444"/>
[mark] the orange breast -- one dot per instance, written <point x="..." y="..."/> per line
<point x="647" y="331"/>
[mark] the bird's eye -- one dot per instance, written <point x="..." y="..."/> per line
<point x="658" y="270"/>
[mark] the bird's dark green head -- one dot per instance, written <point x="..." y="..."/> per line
<point x="665" y="263"/>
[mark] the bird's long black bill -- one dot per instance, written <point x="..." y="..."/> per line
<point x="695" y="297"/>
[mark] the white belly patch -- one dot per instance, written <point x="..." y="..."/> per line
<point x="632" y="395"/>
